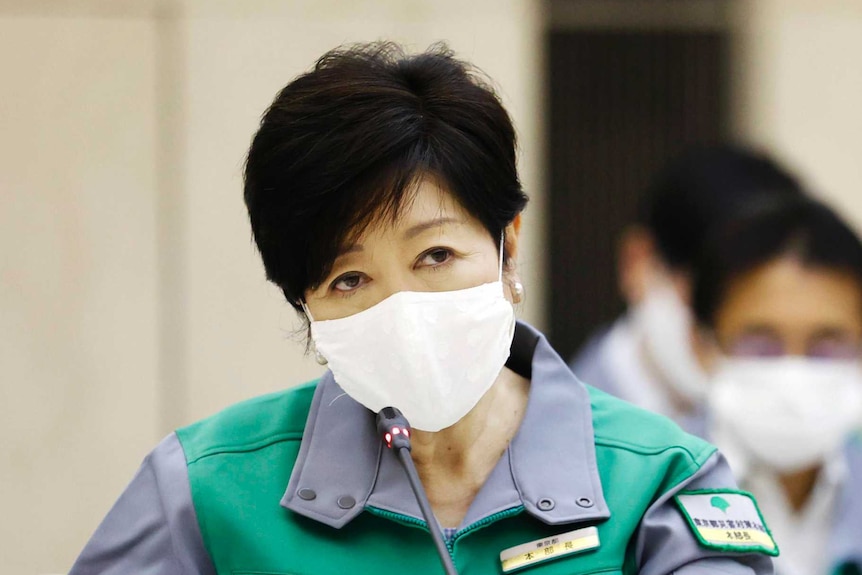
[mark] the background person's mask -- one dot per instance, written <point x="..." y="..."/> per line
<point x="664" y="325"/>
<point x="788" y="413"/>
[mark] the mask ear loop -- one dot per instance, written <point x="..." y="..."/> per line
<point x="319" y="357"/>
<point x="517" y="287"/>
<point x="500" y="270"/>
<point x="306" y="310"/>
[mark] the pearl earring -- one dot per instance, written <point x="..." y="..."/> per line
<point x="518" y="289"/>
<point x="320" y="358"/>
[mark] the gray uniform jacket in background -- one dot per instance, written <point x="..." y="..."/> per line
<point x="595" y="364"/>
<point x="844" y="550"/>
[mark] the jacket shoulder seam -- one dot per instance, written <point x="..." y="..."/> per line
<point x="246" y="447"/>
<point x="658" y="449"/>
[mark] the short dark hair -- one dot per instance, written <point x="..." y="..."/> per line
<point x="702" y="188"/>
<point x="801" y="228"/>
<point x="343" y="145"/>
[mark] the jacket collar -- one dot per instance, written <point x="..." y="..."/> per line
<point x="549" y="468"/>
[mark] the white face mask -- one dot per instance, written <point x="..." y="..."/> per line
<point x="664" y="324"/>
<point x="788" y="413"/>
<point x="432" y="355"/>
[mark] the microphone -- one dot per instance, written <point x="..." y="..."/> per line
<point x="395" y="431"/>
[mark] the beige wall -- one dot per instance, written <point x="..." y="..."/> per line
<point x="798" y="89"/>
<point x="131" y="297"/>
<point x="78" y="403"/>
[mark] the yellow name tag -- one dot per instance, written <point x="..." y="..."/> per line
<point x="550" y="548"/>
<point x="736" y="537"/>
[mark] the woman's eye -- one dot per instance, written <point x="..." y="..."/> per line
<point x="756" y="345"/>
<point x="348" y="282"/>
<point x="435" y="257"/>
<point x="834" y="348"/>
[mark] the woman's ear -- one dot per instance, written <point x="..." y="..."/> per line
<point x="511" y="234"/>
<point x="637" y="263"/>
<point x="511" y="278"/>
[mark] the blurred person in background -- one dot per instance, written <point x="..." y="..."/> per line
<point x="646" y="356"/>
<point x="385" y="201"/>
<point x="778" y="296"/>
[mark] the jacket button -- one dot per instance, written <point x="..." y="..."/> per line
<point x="584" y="502"/>
<point x="545" y="504"/>
<point x="346" y="502"/>
<point x="306" y="494"/>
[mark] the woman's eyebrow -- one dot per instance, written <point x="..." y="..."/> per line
<point x="420" y="227"/>
<point x="350" y="249"/>
<point x="831" y="331"/>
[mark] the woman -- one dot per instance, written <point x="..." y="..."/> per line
<point x="384" y="199"/>
<point x="779" y="295"/>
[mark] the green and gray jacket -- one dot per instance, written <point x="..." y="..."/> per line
<point x="298" y="483"/>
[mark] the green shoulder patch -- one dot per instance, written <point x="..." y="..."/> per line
<point x="727" y="520"/>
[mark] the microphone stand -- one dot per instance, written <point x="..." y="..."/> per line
<point x="393" y="426"/>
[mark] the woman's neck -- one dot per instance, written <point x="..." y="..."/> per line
<point x="798" y="486"/>
<point x="455" y="462"/>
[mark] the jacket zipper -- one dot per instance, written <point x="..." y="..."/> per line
<point x="450" y="544"/>
<point x="410" y="521"/>
<point x="485" y="522"/>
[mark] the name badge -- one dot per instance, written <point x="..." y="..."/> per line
<point x="576" y="541"/>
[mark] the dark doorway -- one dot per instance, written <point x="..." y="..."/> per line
<point x="621" y="103"/>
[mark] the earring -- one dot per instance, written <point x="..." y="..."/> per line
<point x="320" y="358"/>
<point x="518" y="291"/>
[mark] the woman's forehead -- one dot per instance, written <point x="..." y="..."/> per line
<point x="787" y="292"/>
<point x="426" y="204"/>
